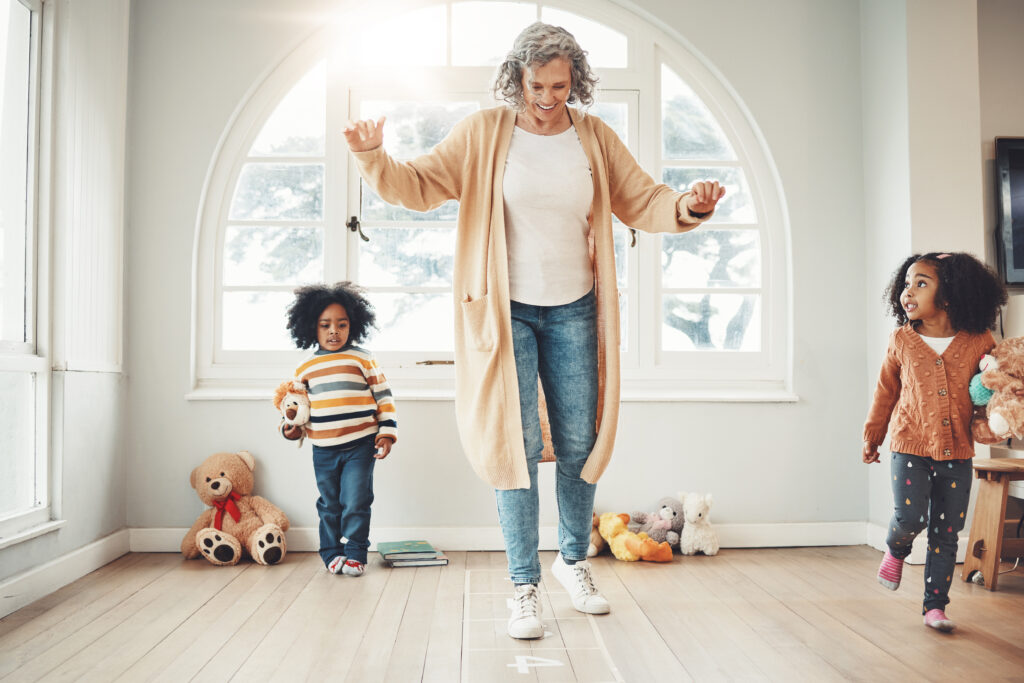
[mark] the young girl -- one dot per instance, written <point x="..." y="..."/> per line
<point x="945" y="305"/>
<point x="352" y="416"/>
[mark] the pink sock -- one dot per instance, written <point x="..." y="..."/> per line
<point x="890" y="571"/>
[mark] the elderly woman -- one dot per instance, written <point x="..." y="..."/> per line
<point x="534" y="278"/>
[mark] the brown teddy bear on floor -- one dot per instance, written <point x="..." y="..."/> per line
<point x="236" y="520"/>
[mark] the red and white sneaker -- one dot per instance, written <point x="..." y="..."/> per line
<point x="353" y="568"/>
<point x="938" y="620"/>
<point x="336" y="563"/>
<point x="890" y="571"/>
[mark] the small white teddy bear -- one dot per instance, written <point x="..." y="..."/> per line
<point x="697" y="535"/>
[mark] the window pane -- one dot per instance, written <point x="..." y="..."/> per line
<point x="256" y="321"/>
<point x="265" y="255"/>
<point x="605" y="46"/>
<point x="483" y="32"/>
<point x="419" y="38"/>
<point x="414" y="128"/>
<point x="622" y="237"/>
<point x="711" y="322"/>
<point x="279" y="191"/>
<point x="296" y="128"/>
<point x="689" y="131"/>
<point x="711" y="258"/>
<point x="615" y="114"/>
<point x="374" y="208"/>
<point x="15" y="65"/>
<point x="412" y="322"/>
<point x="17" y="442"/>
<point x="737" y="205"/>
<point x="414" y="257"/>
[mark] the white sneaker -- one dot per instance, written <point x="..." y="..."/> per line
<point x="525" y="620"/>
<point x="576" y="579"/>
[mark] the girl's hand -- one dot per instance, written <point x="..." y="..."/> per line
<point x="362" y="136"/>
<point x="291" y="432"/>
<point x="383" y="444"/>
<point x="704" y="195"/>
<point x="870" y="453"/>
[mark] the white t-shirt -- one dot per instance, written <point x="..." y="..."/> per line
<point x="938" y="344"/>
<point x="548" y="190"/>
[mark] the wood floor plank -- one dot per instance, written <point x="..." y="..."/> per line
<point x="198" y="638"/>
<point x="442" y="661"/>
<point x="80" y="592"/>
<point x="65" y="629"/>
<point x="252" y="633"/>
<point x="127" y="633"/>
<point x="787" y="614"/>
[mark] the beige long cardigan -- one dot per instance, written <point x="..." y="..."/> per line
<point x="468" y="165"/>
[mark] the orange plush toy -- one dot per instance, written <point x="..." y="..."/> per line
<point x="628" y="546"/>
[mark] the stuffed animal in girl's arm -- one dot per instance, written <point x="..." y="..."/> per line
<point x="1000" y="388"/>
<point x="292" y="400"/>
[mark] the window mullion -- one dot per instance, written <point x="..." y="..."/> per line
<point x="338" y="203"/>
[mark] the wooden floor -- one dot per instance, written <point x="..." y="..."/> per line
<point x="805" y="614"/>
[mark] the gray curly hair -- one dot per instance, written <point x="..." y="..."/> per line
<point x="537" y="45"/>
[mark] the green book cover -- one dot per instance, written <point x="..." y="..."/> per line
<point x="393" y="550"/>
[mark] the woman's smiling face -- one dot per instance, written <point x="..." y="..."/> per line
<point x="546" y="89"/>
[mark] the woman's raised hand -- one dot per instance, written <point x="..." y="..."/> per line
<point x="704" y="195"/>
<point x="362" y="136"/>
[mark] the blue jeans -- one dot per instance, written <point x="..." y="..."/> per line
<point x="344" y="476"/>
<point x="558" y="344"/>
<point x="933" y="494"/>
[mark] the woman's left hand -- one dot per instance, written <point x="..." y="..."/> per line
<point x="383" y="444"/>
<point x="704" y="196"/>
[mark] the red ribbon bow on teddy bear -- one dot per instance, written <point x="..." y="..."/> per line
<point x="229" y="505"/>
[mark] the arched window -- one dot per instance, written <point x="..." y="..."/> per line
<point x="704" y="314"/>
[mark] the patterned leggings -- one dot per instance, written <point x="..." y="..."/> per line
<point x="935" y="494"/>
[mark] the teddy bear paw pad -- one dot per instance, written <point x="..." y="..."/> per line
<point x="269" y="544"/>
<point x="218" y="547"/>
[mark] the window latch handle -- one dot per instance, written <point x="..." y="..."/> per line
<point x="354" y="225"/>
<point x="632" y="236"/>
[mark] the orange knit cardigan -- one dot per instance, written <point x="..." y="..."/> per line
<point x="468" y="165"/>
<point x="926" y="395"/>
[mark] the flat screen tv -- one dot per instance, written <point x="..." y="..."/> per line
<point x="1010" y="208"/>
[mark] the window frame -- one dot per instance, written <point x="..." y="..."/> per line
<point x="32" y="356"/>
<point x="647" y="373"/>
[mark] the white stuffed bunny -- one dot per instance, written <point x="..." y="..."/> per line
<point x="697" y="535"/>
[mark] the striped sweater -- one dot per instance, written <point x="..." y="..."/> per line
<point x="349" y="397"/>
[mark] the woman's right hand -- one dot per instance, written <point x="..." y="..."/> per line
<point x="870" y="453"/>
<point x="362" y="136"/>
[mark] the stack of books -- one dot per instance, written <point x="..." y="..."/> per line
<point x="410" y="554"/>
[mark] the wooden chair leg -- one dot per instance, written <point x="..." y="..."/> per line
<point x="986" y="540"/>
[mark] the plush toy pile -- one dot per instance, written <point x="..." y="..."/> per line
<point x="628" y="546"/>
<point x="236" y="522"/>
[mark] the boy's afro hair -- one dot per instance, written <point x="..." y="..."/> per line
<point x="969" y="290"/>
<point x="311" y="300"/>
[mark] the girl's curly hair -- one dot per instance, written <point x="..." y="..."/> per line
<point x="535" y="46"/>
<point x="969" y="291"/>
<point x="311" y="300"/>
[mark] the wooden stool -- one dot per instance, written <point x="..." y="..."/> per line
<point x="986" y="545"/>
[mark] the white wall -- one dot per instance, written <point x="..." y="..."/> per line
<point x="796" y="67"/>
<point x="83" y="169"/>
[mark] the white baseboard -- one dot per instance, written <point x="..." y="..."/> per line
<point x="876" y="539"/>
<point x="306" y="539"/>
<point x="30" y="585"/>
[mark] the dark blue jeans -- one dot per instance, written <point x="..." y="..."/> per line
<point x="933" y="494"/>
<point x="558" y="344"/>
<point x="344" y="476"/>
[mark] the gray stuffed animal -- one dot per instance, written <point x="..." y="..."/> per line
<point x="663" y="525"/>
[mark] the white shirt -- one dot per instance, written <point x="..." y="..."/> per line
<point x="548" y="190"/>
<point x="938" y="344"/>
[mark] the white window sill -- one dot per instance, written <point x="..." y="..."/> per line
<point x="633" y="391"/>
<point x="31" y="532"/>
